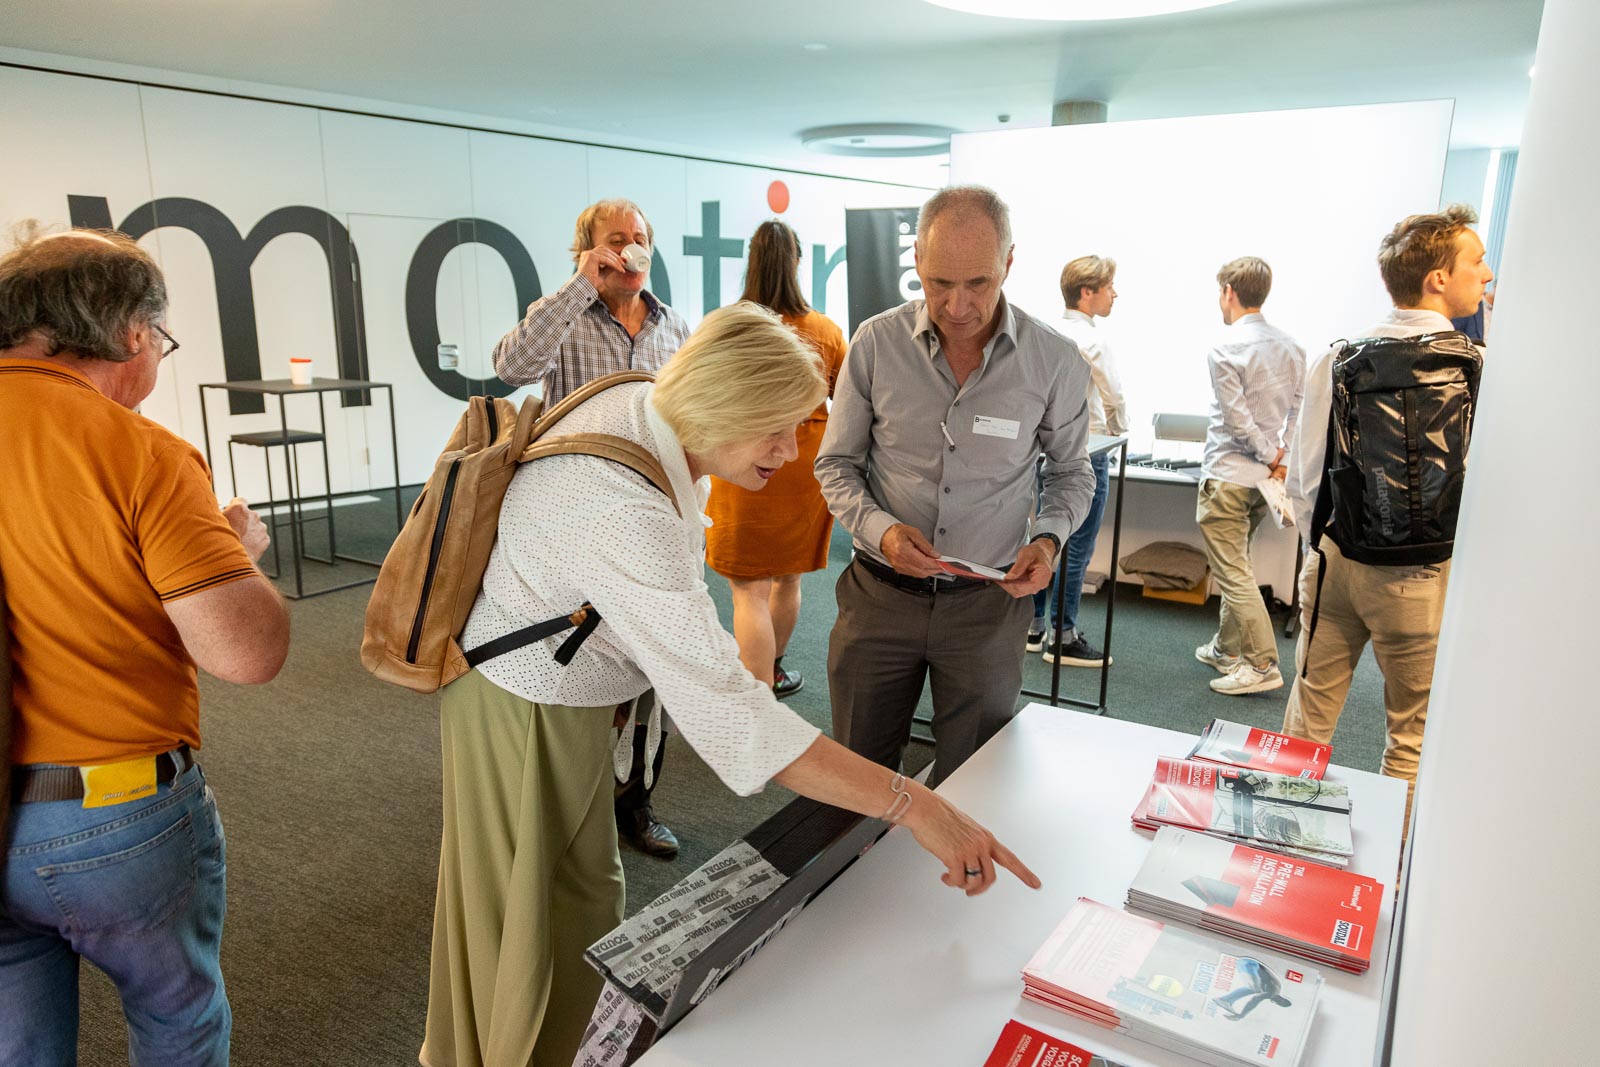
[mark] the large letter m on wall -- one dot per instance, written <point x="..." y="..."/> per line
<point x="231" y="258"/>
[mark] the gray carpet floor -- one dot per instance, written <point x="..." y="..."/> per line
<point x="328" y="786"/>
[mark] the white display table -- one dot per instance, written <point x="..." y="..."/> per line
<point x="890" y="966"/>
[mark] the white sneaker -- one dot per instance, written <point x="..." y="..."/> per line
<point x="1212" y="656"/>
<point x="1247" y="679"/>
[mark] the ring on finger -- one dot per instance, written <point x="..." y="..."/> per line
<point x="974" y="872"/>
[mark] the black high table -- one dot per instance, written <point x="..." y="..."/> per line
<point x="1098" y="446"/>
<point x="320" y="388"/>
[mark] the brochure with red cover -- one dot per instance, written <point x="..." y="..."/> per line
<point x="1174" y="988"/>
<point x="1274" y="810"/>
<point x="1023" y="1046"/>
<point x="1232" y="889"/>
<point x="1262" y="750"/>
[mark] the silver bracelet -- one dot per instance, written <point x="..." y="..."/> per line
<point x="902" y="800"/>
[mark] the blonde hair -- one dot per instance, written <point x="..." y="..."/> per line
<point x="1086" y="272"/>
<point x="741" y="374"/>
<point x="1418" y="246"/>
<point x="1250" y="277"/>
<point x="583" y="232"/>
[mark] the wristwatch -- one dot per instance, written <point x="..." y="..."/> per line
<point x="1053" y="539"/>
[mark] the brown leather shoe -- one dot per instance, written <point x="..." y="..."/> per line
<point x="641" y="830"/>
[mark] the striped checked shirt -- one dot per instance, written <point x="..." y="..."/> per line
<point x="571" y="337"/>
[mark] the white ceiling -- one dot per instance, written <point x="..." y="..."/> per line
<point x="734" y="80"/>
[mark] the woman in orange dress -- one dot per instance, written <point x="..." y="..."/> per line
<point x="763" y="542"/>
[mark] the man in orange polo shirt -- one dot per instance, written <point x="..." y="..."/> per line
<point x="122" y="576"/>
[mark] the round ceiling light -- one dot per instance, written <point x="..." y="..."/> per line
<point x="880" y="139"/>
<point x="1076" y="10"/>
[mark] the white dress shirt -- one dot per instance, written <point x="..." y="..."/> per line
<point x="577" y="528"/>
<point x="1108" y="408"/>
<point x="1310" y="445"/>
<point x="1257" y="379"/>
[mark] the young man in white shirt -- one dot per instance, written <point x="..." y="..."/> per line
<point x="1434" y="269"/>
<point x="1257" y="380"/>
<point x="1086" y="286"/>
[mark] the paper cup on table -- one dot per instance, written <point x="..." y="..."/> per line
<point x="300" y="371"/>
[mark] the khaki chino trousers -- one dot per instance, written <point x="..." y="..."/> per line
<point x="1397" y="609"/>
<point x="1228" y="515"/>
<point x="529" y="877"/>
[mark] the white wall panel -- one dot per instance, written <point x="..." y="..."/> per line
<point x="199" y="150"/>
<point x="535" y="189"/>
<point x="410" y="171"/>
<point x="1310" y="191"/>
<point x="425" y="415"/>
<point x="390" y="184"/>
<point x="100" y="152"/>
<point x="389" y="167"/>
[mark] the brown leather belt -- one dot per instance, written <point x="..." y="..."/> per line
<point x="35" y="782"/>
<point x="920" y="586"/>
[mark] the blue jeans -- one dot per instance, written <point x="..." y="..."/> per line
<point x="137" y="889"/>
<point x="1080" y="549"/>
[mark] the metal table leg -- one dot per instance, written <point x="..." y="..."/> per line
<point x="294" y="507"/>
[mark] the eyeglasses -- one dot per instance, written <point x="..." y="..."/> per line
<point x="168" y="345"/>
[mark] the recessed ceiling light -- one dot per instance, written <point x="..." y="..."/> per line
<point x="1075" y="10"/>
<point x="879" y="139"/>
<point x="1530" y="72"/>
<point x="815" y="47"/>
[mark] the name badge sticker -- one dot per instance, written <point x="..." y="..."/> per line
<point x="989" y="426"/>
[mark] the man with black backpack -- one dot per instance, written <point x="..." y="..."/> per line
<point x="1375" y="478"/>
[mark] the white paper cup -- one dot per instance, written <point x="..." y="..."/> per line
<point x="300" y="371"/>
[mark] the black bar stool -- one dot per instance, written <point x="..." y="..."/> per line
<point x="290" y="440"/>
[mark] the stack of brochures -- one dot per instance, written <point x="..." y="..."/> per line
<point x="1296" y="816"/>
<point x="1023" y="1046"/>
<point x="1179" y="990"/>
<point x="1261" y="750"/>
<point x="1325" y="915"/>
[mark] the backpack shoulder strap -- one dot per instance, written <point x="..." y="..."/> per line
<point x="606" y="446"/>
<point x="588" y="389"/>
<point x="586" y="618"/>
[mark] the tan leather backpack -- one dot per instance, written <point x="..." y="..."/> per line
<point x="433" y="571"/>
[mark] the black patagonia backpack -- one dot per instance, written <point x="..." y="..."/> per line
<point x="1397" y="450"/>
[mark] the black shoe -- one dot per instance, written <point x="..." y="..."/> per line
<point x="1076" y="652"/>
<point x="640" y="829"/>
<point x="786" y="683"/>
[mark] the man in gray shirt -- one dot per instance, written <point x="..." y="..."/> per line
<point x="939" y="415"/>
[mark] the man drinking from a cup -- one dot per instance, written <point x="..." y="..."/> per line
<point x="600" y="321"/>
